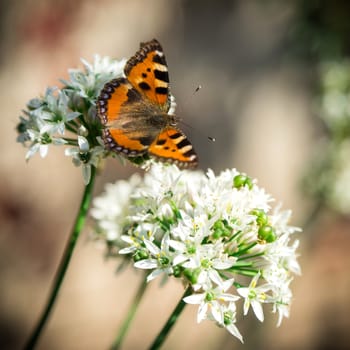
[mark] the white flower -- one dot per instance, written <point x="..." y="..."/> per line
<point x="211" y="301"/>
<point x="209" y="231"/>
<point x="105" y="66"/>
<point x="58" y="117"/>
<point x="210" y="260"/>
<point x="41" y="139"/>
<point x="85" y="157"/>
<point x="283" y="311"/>
<point x="117" y="199"/>
<point x="187" y="242"/>
<point x="57" y="112"/>
<point x="230" y="320"/>
<point x="282" y="298"/>
<point x="160" y="259"/>
<point x="89" y="83"/>
<point x="255" y="296"/>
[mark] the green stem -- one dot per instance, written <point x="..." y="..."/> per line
<point x="171" y="321"/>
<point x="131" y="314"/>
<point x="61" y="271"/>
<point x="70" y="128"/>
<point x="245" y="249"/>
<point x="70" y="141"/>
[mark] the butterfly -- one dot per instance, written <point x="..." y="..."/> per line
<point x="134" y="111"/>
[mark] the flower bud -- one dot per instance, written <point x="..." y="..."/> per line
<point x="192" y="275"/>
<point x="242" y="180"/>
<point x="267" y="234"/>
<point x="261" y="217"/>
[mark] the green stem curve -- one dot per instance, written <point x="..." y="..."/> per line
<point x="171" y="321"/>
<point x="130" y="316"/>
<point x="61" y="271"/>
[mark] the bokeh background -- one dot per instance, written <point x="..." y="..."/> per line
<point x="258" y="65"/>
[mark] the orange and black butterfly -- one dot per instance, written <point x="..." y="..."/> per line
<point x="134" y="111"/>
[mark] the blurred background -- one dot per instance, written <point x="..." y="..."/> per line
<point x="275" y="95"/>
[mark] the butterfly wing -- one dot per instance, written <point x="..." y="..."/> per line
<point x="120" y="119"/>
<point x="147" y="71"/>
<point x="172" y="145"/>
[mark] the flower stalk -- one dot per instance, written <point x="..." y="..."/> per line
<point x="171" y="321"/>
<point x="62" y="269"/>
<point x="130" y="316"/>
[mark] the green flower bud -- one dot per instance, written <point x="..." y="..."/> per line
<point x="261" y="217"/>
<point x="21" y="128"/>
<point x="209" y="296"/>
<point x="177" y="271"/>
<point x="242" y="180"/>
<point x="267" y="234"/>
<point x="164" y="260"/>
<point x="140" y="255"/>
<point x="249" y="183"/>
<point x="192" y="275"/>
<point x="221" y="228"/>
<point x="191" y="249"/>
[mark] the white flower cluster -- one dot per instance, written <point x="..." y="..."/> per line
<point x="67" y="116"/>
<point x="216" y="233"/>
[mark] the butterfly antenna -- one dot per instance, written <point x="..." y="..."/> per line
<point x="193" y="93"/>
<point x="210" y="138"/>
<point x="197" y="89"/>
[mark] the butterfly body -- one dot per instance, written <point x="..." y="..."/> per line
<point x="134" y="111"/>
